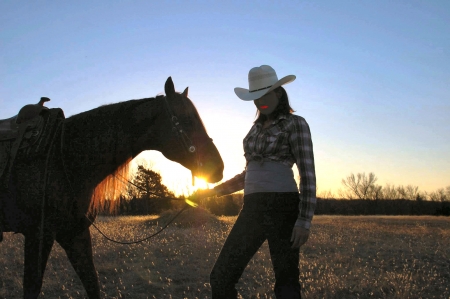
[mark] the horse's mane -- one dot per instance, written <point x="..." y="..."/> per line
<point x="110" y="189"/>
<point x="107" y="109"/>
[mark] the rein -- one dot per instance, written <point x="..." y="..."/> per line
<point x="187" y="144"/>
<point x="124" y="180"/>
<point x="140" y="240"/>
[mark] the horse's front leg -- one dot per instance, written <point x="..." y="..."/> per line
<point x="35" y="263"/>
<point x="79" y="252"/>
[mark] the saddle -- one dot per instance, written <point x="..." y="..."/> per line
<point x="27" y="136"/>
<point x="29" y="132"/>
<point x="9" y="128"/>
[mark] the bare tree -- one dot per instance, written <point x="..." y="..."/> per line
<point x="390" y="192"/>
<point x="362" y="186"/>
<point x="439" y="195"/>
<point x="409" y="192"/>
<point x="326" y="194"/>
<point x="376" y="193"/>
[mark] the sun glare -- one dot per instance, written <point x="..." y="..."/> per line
<point x="200" y="184"/>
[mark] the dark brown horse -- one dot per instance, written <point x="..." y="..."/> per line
<point x="83" y="168"/>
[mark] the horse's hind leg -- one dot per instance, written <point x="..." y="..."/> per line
<point x="35" y="264"/>
<point x="79" y="252"/>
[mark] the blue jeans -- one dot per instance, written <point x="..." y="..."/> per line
<point x="264" y="216"/>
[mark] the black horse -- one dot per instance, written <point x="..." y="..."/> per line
<point x="90" y="154"/>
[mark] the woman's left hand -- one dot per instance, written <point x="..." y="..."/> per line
<point x="299" y="236"/>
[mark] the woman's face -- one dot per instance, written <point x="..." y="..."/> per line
<point x="267" y="103"/>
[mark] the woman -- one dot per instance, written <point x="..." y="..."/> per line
<point x="273" y="209"/>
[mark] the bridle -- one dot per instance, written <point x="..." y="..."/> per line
<point x="178" y="130"/>
<point x="184" y="139"/>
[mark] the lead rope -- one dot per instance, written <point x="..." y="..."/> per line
<point x="122" y="180"/>
<point x="144" y="239"/>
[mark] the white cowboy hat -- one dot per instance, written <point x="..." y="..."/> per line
<point x="261" y="80"/>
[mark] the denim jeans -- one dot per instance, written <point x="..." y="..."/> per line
<point x="264" y="216"/>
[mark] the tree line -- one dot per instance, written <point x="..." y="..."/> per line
<point x="145" y="195"/>
<point x="362" y="195"/>
<point x="365" y="187"/>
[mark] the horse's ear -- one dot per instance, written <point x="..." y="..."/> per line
<point x="185" y="92"/>
<point x="169" y="88"/>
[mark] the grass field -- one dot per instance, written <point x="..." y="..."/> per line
<point x="345" y="257"/>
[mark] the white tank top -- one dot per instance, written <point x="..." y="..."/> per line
<point x="269" y="176"/>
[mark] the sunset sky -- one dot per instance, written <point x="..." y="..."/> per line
<point x="373" y="77"/>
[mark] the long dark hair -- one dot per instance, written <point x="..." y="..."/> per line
<point x="283" y="107"/>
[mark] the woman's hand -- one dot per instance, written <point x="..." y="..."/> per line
<point x="299" y="236"/>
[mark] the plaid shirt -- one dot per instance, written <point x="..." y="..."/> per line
<point x="287" y="140"/>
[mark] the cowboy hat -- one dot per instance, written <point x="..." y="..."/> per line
<point x="261" y="80"/>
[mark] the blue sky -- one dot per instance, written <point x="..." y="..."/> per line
<point x="373" y="77"/>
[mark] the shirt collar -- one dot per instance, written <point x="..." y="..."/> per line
<point x="278" y="119"/>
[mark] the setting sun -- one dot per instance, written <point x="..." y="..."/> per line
<point x="200" y="184"/>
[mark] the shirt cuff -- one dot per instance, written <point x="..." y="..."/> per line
<point x="303" y="223"/>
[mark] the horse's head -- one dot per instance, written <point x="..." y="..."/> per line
<point x="178" y="133"/>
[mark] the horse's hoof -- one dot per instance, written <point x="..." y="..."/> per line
<point x="1" y="236"/>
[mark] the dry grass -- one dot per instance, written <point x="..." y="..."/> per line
<point x="346" y="257"/>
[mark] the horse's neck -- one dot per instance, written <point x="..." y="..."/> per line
<point x="99" y="141"/>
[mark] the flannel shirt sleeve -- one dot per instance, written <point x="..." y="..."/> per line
<point x="302" y="149"/>
<point x="232" y="185"/>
